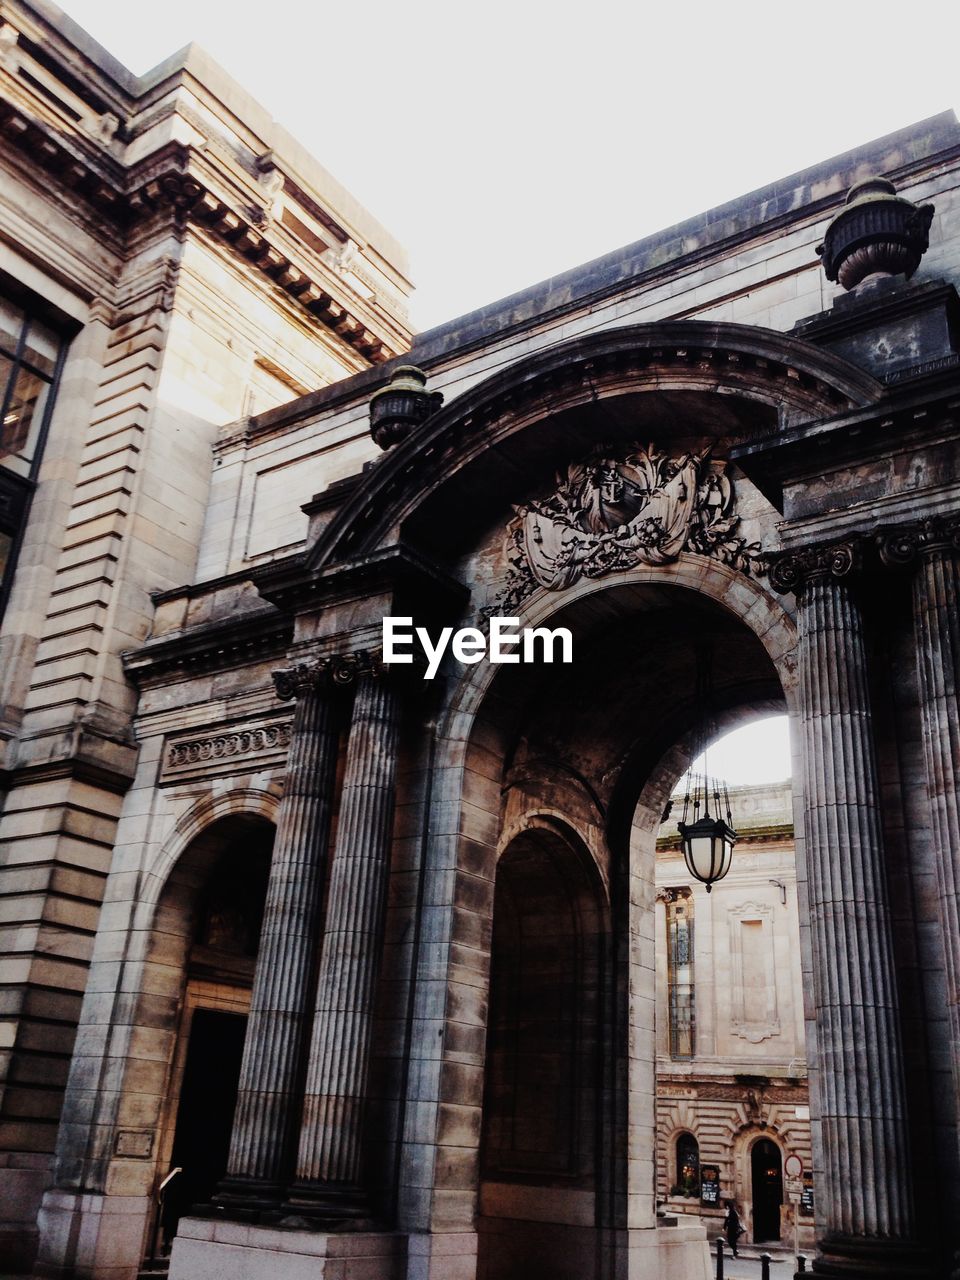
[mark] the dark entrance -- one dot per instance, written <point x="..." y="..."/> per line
<point x="539" y="1147"/>
<point x="208" y="1096"/>
<point x="767" y="1173"/>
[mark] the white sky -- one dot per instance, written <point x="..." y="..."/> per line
<point x="504" y="142"/>
<point x="758" y="752"/>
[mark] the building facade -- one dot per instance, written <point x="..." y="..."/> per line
<point x="170" y="261"/>
<point x="370" y="956"/>
<point x="733" y="1104"/>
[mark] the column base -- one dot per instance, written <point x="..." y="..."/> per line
<point x="859" y="1258"/>
<point x="329" y="1203"/>
<point x="244" y="1199"/>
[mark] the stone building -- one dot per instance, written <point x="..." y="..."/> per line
<point x="732" y="1096"/>
<point x="370" y="956"/>
<point x="170" y="261"/>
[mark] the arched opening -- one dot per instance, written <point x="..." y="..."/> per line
<point x="766" y="1182"/>
<point x="688" y="1165"/>
<point x="598" y="744"/>
<point x="540" y="1141"/>
<point x="209" y="918"/>
<point x="731" y="1044"/>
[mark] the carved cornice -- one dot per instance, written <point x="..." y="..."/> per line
<point x="244" y="233"/>
<point x="695" y="353"/>
<point x="164" y="182"/>
<point x="227" y="644"/>
<point x="292" y="583"/>
<point x="716" y="1091"/>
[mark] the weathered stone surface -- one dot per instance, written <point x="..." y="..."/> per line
<point x="279" y="1018"/>
<point x="331" y="1130"/>
<point x="165" y="241"/>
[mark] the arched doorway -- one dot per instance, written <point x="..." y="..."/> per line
<point x="688" y="1165"/>
<point x="219" y="889"/>
<point x="540" y="1140"/>
<point x="598" y="744"/>
<point x="766" y="1184"/>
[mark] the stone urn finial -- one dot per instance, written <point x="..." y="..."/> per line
<point x="876" y="232"/>
<point x="400" y="406"/>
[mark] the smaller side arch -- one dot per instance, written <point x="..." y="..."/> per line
<point x="200" y="818"/>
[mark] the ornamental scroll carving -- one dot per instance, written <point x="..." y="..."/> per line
<point x="905" y="544"/>
<point x="616" y="511"/>
<point x="209" y="753"/>
<point x="331" y="670"/>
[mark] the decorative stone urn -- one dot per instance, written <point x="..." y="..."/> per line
<point x="876" y="232"/>
<point x="400" y="406"/>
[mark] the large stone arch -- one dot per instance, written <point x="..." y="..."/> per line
<point x="472" y="773"/>
<point x="786" y="379"/>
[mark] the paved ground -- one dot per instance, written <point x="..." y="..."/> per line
<point x="781" y="1268"/>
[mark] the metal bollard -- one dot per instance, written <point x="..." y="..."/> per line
<point x="801" y="1263"/>
<point x="764" y="1266"/>
<point x="719" y="1257"/>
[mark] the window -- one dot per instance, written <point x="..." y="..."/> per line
<point x="680" y="973"/>
<point x="688" y="1165"/>
<point x="30" y="358"/>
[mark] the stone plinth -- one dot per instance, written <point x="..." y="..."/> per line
<point x="207" y="1249"/>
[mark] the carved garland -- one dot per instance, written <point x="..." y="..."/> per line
<point x="616" y="511"/>
<point x="275" y="737"/>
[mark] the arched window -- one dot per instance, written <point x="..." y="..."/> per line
<point x="688" y="1165"/>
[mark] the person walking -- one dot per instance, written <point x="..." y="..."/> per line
<point x="733" y="1227"/>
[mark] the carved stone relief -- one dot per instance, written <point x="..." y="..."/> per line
<point x="615" y="511"/>
<point x="225" y="751"/>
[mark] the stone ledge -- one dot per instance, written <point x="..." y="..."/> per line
<point x="210" y="1249"/>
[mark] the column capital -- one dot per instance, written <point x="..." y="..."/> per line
<point x="790" y="571"/>
<point x="905" y="544"/>
<point x="332" y="670"/>
<point x="674" y="895"/>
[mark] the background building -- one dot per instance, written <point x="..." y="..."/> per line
<point x="731" y="1059"/>
<point x="171" y="261"/>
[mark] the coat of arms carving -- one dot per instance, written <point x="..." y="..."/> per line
<point x="610" y="513"/>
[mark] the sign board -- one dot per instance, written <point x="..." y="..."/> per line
<point x="710" y="1184"/>
<point x="793" y="1166"/>
<point x="806" y="1196"/>
<point x="794" y="1189"/>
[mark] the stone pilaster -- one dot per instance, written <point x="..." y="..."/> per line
<point x="329" y="1160"/>
<point x="931" y="549"/>
<point x="266" y="1102"/>
<point x="865" y="1208"/>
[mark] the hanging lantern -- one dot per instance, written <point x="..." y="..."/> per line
<point x="707" y="839"/>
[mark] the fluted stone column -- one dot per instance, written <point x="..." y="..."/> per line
<point x="329" y="1159"/>
<point x="272" y="1053"/>
<point x="864" y="1205"/>
<point x="932" y="549"/>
